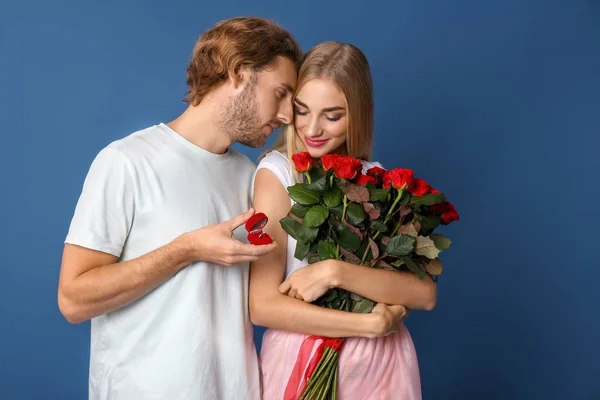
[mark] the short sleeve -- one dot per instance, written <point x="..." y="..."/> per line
<point x="277" y="163"/>
<point x="104" y="212"/>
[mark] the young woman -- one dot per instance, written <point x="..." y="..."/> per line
<point x="333" y="114"/>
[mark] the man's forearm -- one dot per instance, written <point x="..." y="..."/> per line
<point x="108" y="287"/>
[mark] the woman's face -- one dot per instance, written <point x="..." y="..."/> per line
<point x="320" y="117"/>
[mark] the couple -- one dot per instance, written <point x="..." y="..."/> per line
<point x="157" y="257"/>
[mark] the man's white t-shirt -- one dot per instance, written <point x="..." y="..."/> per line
<point x="191" y="337"/>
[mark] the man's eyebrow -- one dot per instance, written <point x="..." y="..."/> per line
<point x="289" y="88"/>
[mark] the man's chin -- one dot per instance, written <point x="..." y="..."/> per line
<point x="254" y="143"/>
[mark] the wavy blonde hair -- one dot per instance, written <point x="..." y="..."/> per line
<point x="347" y="68"/>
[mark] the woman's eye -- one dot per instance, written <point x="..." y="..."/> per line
<point x="333" y="118"/>
<point x="297" y="111"/>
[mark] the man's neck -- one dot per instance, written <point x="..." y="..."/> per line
<point x="199" y="125"/>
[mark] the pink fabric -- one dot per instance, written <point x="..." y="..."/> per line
<point x="370" y="369"/>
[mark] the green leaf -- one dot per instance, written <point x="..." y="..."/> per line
<point x="414" y="267"/>
<point x="313" y="258"/>
<point x="363" y="306"/>
<point x="428" y="199"/>
<point x="401" y="245"/>
<point x="373" y="212"/>
<point x="319" y="181"/>
<point x="307" y="234"/>
<point x="302" y="250"/>
<point x="355" y="297"/>
<point x="441" y="241"/>
<point x="346" y="238"/>
<point x="333" y="294"/>
<point x="299" y="210"/>
<point x="316" y="216"/>
<point x="428" y="222"/>
<point x="291" y="226"/>
<point x="356" y="193"/>
<point x="301" y="194"/>
<point x="350" y="256"/>
<point x="378" y="194"/>
<point x="408" y="229"/>
<point x="316" y="173"/>
<point x="434" y="267"/>
<point x="405" y="198"/>
<point x="327" y="250"/>
<point x="355" y="214"/>
<point x="383" y="265"/>
<point x="426" y="247"/>
<point x="379" y="226"/>
<point x="332" y="197"/>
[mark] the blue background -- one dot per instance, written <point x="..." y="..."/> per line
<point x="497" y="103"/>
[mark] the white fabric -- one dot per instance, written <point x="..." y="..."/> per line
<point x="190" y="338"/>
<point x="279" y="164"/>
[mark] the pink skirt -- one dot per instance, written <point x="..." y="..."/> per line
<point x="369" y="369"/>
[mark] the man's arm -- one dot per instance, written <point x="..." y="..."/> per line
<point x="93" y="282"/>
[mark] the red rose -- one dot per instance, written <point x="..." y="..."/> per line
<point x="435" y="191"/>
<point x="328" y="160"/>
<point x="347" y="167"/>
<point x="364" y="179"/>
<point x="376" y="171"/>
<point x="419" y="187"/>
<point x="446" y="210"/>
<point x="450" y="215"/>
<point x="399" y="178"/>
<point x="439" y="208"/>
<point x="303" y="161"/>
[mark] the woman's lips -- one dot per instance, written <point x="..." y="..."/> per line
<point x="315" y="143"/>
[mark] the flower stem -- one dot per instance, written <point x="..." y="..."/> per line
<point x="314" y="379"/>
<point x="335" y="382"/>
<point x="362" y="261"/>
<point x="389" y="213"/>
<point x="387" y="217"/>
<point x="308" y="177"/>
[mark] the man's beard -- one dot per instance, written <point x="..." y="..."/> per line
<point x="240" y="119"/>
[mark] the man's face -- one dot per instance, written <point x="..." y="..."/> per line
<point x="263" y="105"/>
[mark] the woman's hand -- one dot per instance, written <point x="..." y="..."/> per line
<point x="311" y="282"/>
<point x="388" y="319"/>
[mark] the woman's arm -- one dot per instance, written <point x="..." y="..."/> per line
<point x="389" y="287"/>
<point x="271" y="308"/>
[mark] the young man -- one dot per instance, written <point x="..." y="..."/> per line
<point x="151" y="256"/>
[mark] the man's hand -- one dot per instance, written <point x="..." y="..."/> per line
<point x="388" y="319"/>
<point x="310" y="282"/>
<point x="216" y="244"/>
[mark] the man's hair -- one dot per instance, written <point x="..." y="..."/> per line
<point x="222" y="50"/>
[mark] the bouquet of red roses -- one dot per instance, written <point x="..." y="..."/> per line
<point x="381" y="219"/>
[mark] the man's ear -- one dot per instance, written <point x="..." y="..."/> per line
<point x="239" y="78"/>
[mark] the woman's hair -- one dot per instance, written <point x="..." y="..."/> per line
<point x="347" y="68"/>
<point x="223" y="49"/>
